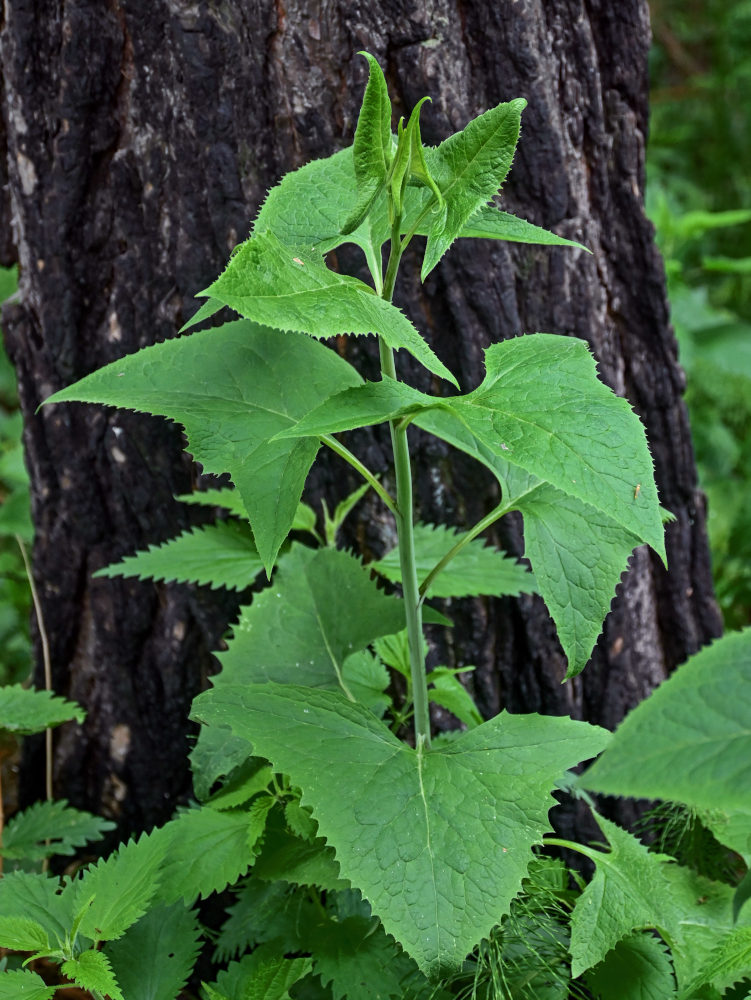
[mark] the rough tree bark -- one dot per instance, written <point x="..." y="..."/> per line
<point x="141" y="138"/>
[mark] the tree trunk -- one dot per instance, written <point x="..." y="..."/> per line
<point x="142" y="136"/>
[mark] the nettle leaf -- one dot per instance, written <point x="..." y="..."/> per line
<point x="25" y="711"/>
<point x="92" y="971"/>
<point x="233" y="389"/>
<point x="23" y="985"/>
<point x="476" y="569"/>
<point x="154" y="958"/>
<point x="113" y="894"/>
<point x="628" y="892"/>
<point x="215" y="756"/>
<point x="38" y="898"/>
<point x="286" y="858"/>
<point x="23" y="934"/>
<point x="292" y="289"/>
<point x="490" y="223"/>
<point x="469" y="168"/>
<point x="438" y="840"/>
<point x="638" y="968"/>
<point x="27" y="833"/>
<point x="732" y="827"/>
<point x="264" y="912"/>
<point x="448" y="691"/>
<point x="206" y="850"/>
<point x="261" y="975"/>
<point x="691" y="739"/>
<point x="728" y="962"/>
<point x="228" y="498"/>
<point x="371" y="150"/>
<point x="217" y="555"/>
<point x="322" y="608"/>
<point x="247" y="781"/>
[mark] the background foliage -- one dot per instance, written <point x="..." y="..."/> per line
<point x="699" y="197"/>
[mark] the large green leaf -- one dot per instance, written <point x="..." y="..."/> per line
<point x="469" y="168"/>
<point x="322" y="608"/>
<point x="290" y="288"/>
<point x="628" y="892"/>
<point x="476" y="569"/>
<point x="217" y="555"/>
<point x="24" y="711"/>
<point x="233" y="389"/>
<point x="48" y="828"/>
<point x="154" y="958"/>
<point x="437" y="840"/>
<point x="114" y="893"/>
<point x="638" y="968"/>
<point x="691" y="739"/>
<point x="38" y="898"/>
<point x="541" y="408"/>
<point x="371" y="150"/>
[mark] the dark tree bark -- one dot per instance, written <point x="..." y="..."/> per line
<point x="142" y="136"/>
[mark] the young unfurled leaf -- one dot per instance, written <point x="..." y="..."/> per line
<point x="48" y="828"/>
<point x="253" y="383"/>
<point x="25" y="710"/>
<point x="292" y="289"/>
<point x="371" y="151"/>
<point x="476" y="569"/>
<point x="217" y="555"/>
<point x="437" y="840"/>
<point x="490" y="223"/>
<point x="154" y="958"/>
<point x="92" y="971"/>
<point x="690" y="740"/>
<point x="469" y="168"/>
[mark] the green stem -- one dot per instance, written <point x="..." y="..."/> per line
<point x="439" y="567"/>
<point x="404" y="522"/>
<point x="346" y="454"/>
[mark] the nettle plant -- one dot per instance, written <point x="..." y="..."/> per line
<point x="364" y="864"/>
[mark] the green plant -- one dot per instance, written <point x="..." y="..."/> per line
<point x="363" y="864"/>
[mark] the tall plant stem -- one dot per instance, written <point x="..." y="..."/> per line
<point x="404" y="522"/>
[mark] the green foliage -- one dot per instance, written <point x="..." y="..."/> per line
<point x="690" y="740"/>
<point x="361" y="864"/>
<point x="397" y="817"/>
<point x="24" y="711"/>
<point x="22" y="985"/>
<point x="50" y="828"/>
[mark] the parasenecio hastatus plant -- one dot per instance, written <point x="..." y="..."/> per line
<point x="365" y="865"/>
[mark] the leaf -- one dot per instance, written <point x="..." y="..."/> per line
<point x="448" y="691"/>
<point x="628" y="892"/>
<point x="248" y="780"/>
<point x="206" y="850"/>
<point x="691" y="739"/>
<point x="25" y="711"/>
<point x="209" y="308"/>
<point x="287" y="858"/>
<point x="321" y="608"/>
<point x="116" y="892"/>
<point x="92" y="971"/>
<point x="490" y="223"/>
<point x="742" y="894"/>
<point x="438" y="841"/>
<point x="367" y="679"/>
<point x="371" y="151"/>
<point x="541" y="408"/>
<point x="22" y="934"/>
<point x="261" y="975"/>
<point x="232" y="388"/>
<point x="290" y="288"/>
<point x="24" y="985"/>
<point x="638" y="968"/>
<point x="217" y="555"/>
<point x="154" y="958"/>
<point x="476" y="569"/>
<point x="729" y="962"/>
<point x="228" y="498"/>
<point x="38" y="898"/>
<point x="469" y="168"/>
<point x="266" y="912"/>
<point x="357" y="959"/>
<point x="66" y="829"/>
